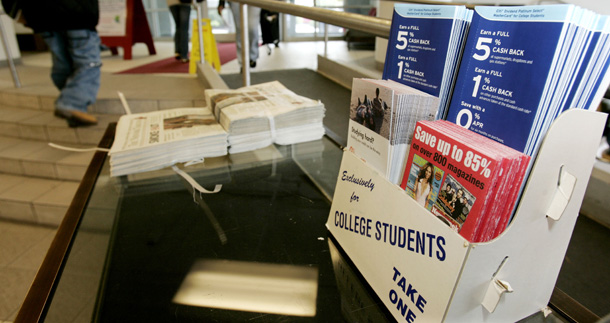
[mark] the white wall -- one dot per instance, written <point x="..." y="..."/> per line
<point x="599" y="6"/>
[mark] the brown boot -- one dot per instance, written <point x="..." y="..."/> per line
<point x="76" y="118"/>
<point x="84" y="117"/>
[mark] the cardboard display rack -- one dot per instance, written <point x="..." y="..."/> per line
<point x="424" y="272"/>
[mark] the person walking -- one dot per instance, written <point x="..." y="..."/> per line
<point x="68" y="27"/>
<point x="254" y="14"/>
<point x="181" y="13"/>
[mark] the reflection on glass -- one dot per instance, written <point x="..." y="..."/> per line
<point x="357" y="304"/>
<point x="249" y="286"/>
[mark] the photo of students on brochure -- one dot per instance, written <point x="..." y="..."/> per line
<point x="371" y="110"/>
<point x="454" y="203"/>
<point x="424" y="182"/>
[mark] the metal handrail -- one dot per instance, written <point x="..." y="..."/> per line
<point x="379" y="27"/>
<point x="376" y="26"/>
<point x="9" y="53"/>
<point x="373" y="25"/>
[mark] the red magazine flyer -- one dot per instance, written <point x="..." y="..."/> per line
<point x="460" y="177"/>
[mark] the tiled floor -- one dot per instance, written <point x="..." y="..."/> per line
<point x="23" y="246"/>
<point x="22" y="250"/>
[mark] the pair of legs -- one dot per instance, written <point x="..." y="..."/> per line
<point x="254" y="14"/>
<point x="181" y="14"/>
<point x="75" y="72"/>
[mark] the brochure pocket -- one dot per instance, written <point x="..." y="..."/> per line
<point x="423" y="271"/>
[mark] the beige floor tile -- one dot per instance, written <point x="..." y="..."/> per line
<point x="77" y="159"/>
<point x="39" y="169"/>
<point x="33" y="132"/>
<point x="91" y="136"/>
<point x="29" y="190"/>
<point x="24" y="148"/>
<point x="10" y="166"/>
<point x="47" y="103"/>
<point x="8" y="181"/>
<point x="17" y="211"/>
<point x="71" y="173"/>
<point x="6" y="142"/>
<point x="47" y="153"/>
<point x="60" y="195"/>
<point x="9" y="129"/>
<point x="15" y="284"/>
<point x="51" y="207"/>
<point x="33" y="257"/>
<point x="41" y="119"/>
<point x="17" y="238"/>
<point x="8" y="113"/>
<point x="50" y="215"/>
<point x="28" y="101"/>
<point x="9" y="99"/>
<point x="62" y="134"/>
<point x="42" y="162"/>
<point x="19" y="114"/>
<point x="74" y="166"/>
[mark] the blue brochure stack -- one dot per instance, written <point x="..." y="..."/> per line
<point x="425" y="47"/>
<point x="523" y="66"/>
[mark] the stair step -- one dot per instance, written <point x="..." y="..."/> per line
<point x="37" y="102"/>
<point x="37" y="159"/>
<point x="35" y="200"/>
<point x="42" y="125"/>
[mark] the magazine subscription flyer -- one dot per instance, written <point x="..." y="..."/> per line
<point x="454" y="181"/>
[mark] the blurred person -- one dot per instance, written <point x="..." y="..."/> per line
<point x="270" y="29"/>
<point x="181" y="12"/>
<point x="68" y="27"/>
<point x="254" y="14"/>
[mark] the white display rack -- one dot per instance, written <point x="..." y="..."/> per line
<point x="429" y="273"/>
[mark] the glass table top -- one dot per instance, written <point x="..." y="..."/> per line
<point x="150" y="249"/>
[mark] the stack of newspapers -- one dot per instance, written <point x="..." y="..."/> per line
<point x="425" y="47"/>
<point x="260" y="115"/>
<point x="524" y="65"/>
<point x="383" y="114"/>
<point x="153" y="140"/>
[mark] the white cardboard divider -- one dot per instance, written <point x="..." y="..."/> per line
<point x="425" y="272"/>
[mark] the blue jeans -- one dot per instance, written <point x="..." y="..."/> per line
<point x="181" y="14"/>
<point x="254" y="15"/>
<point x="76" y="67"/>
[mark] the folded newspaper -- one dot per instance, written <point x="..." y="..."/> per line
<point x="153" y="140"/>
<point x="260" y="115"/>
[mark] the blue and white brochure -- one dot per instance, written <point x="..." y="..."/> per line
<point x="424" y="47"/>
<point x="519" y="65"/>
<point x="592" y="80"/>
